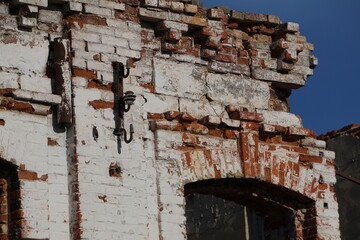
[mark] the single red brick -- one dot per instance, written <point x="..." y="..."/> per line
<point x="251" y="116"/>
<point x="97" y="84"/>
<point x="77" y="72"/>
<point x="230" y="134"/>
<point x="100" y="104"/>
<point x="311" y="159"/>
<point x="216" y="132"/>
<point x="10" y="104"/>
<point x="27" y="175"/>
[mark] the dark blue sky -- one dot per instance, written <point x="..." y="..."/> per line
<point x="330" y="99"/>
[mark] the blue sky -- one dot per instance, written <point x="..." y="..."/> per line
<point x="330" y="99"/>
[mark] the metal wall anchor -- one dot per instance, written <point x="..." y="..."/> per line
<point x="122" y="102"/>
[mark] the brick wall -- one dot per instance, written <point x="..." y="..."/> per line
<point x="212" y="88"/>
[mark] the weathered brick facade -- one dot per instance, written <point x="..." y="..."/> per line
<point x="212" y="88"/>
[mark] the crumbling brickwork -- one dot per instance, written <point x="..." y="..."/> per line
<point x="212" y="88"/>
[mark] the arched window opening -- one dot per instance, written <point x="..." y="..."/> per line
<point x="9" y="202"/>
<point x="243" y="209"/>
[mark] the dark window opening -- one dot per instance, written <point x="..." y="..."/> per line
<point x="234" y="209"/>
<point x="9" y="202"/>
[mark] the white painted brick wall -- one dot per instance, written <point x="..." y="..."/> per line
<point x="147" y="201"/>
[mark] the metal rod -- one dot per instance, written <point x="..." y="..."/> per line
<point x="348" y="177"/>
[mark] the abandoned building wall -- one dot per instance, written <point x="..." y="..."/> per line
<point x="345" y="143"/>
<point x="211" y="86"/>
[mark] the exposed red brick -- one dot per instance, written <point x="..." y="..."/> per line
<point x="278" y="139"/>
<point x="251" y="116"/>
<point x="77" y="72"/>
<point x="130" y="14"/>
<point x="250" y="125"/>
<point x="190" y="139"/>
<point x="230" y="134"/>
<point x="208" y="53"/>
<point x="155" y="116"/>
<point x="300" y="132"/>
<point x="171" y="115"/>
<point x="97" y="84"/>
<point x="7" y="92"/>
<point x="148" y="86"/>
<point x="314" y="185"/>
<point x="132" y="2"/>
<point x="173" y="35"/>
<point x="197" y="128"/>
<point x="22" y="167"/>
<point x="44" y="177"/>
<point x="231" y="109"/>
<point x="188" y="159"/>
<point x="307" y="165"/>
<point x="82" y="19"/>
<point x="52" y="142"/>
<point x="226" y="57"/>
<point x="321" y="194"/>
<point x="330" y="162"/>
<point x="281" y="178"/>
<point x="296" y="170"/>
<point x="186" y="117"/>
<point x="2" y="122"/>
<point x="26" y="175"/>
<point x="186" y="42"/>
<point x="308" y="158"/>
<point x="10" y="104"/>
<point x="169" y="46"/>
<point x="100" y="104"/>
<point x="249" y="170"/>
<point x="217" y="172"/>
<point x="300" y="150"/>
<point x="208" y="157"/>
<point x="203" y="32"/>
<point x="189" y="51"/>
<point x="216" y="132"/>
<point x="323" y="186"/>
<point x="174" y="126"/>
<point x="267" y="174"/>
<point x="31" y="176"/>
